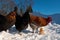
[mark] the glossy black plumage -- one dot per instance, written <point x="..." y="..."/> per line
<point x="2" y="22"/>
<point x="22" y="21"/>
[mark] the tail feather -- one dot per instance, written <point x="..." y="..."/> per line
<point x="49" y="19"/>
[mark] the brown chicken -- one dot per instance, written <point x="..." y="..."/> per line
<point x="9" y="20"/>
<point x="36" y="22"/>
<point x="41" y="31"/>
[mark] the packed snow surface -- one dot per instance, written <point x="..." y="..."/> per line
<point x="52" y="32"/>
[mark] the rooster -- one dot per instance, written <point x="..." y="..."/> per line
<point x="36" y="22"/>
<point x="22" y="21"/>
<point x="7" y="21"/>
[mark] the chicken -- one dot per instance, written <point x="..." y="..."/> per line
<point x="36" y="22"/>
<point x="41" y="31"/>
<point x="2" y="22"/>
<point x="22" y="21"/>
<point x="7" y="21"/>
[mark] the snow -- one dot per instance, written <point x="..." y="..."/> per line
<point x="52" y="32"/>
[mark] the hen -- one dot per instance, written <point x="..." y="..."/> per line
<point x="7" y="21"/>
<point x="22" y="21"/>
<point x="2" y="22"/>
<point x="36" y="22"/>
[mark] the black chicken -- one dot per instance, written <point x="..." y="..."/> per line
<point x="2" y="22"/>
<point x="22" y="21"/>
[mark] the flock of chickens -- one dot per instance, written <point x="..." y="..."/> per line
<point x="21" y="22"/>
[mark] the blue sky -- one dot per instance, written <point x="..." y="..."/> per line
<point x="47" y="7"/>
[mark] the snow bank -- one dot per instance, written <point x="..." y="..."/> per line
<point x="52" y="32"/>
